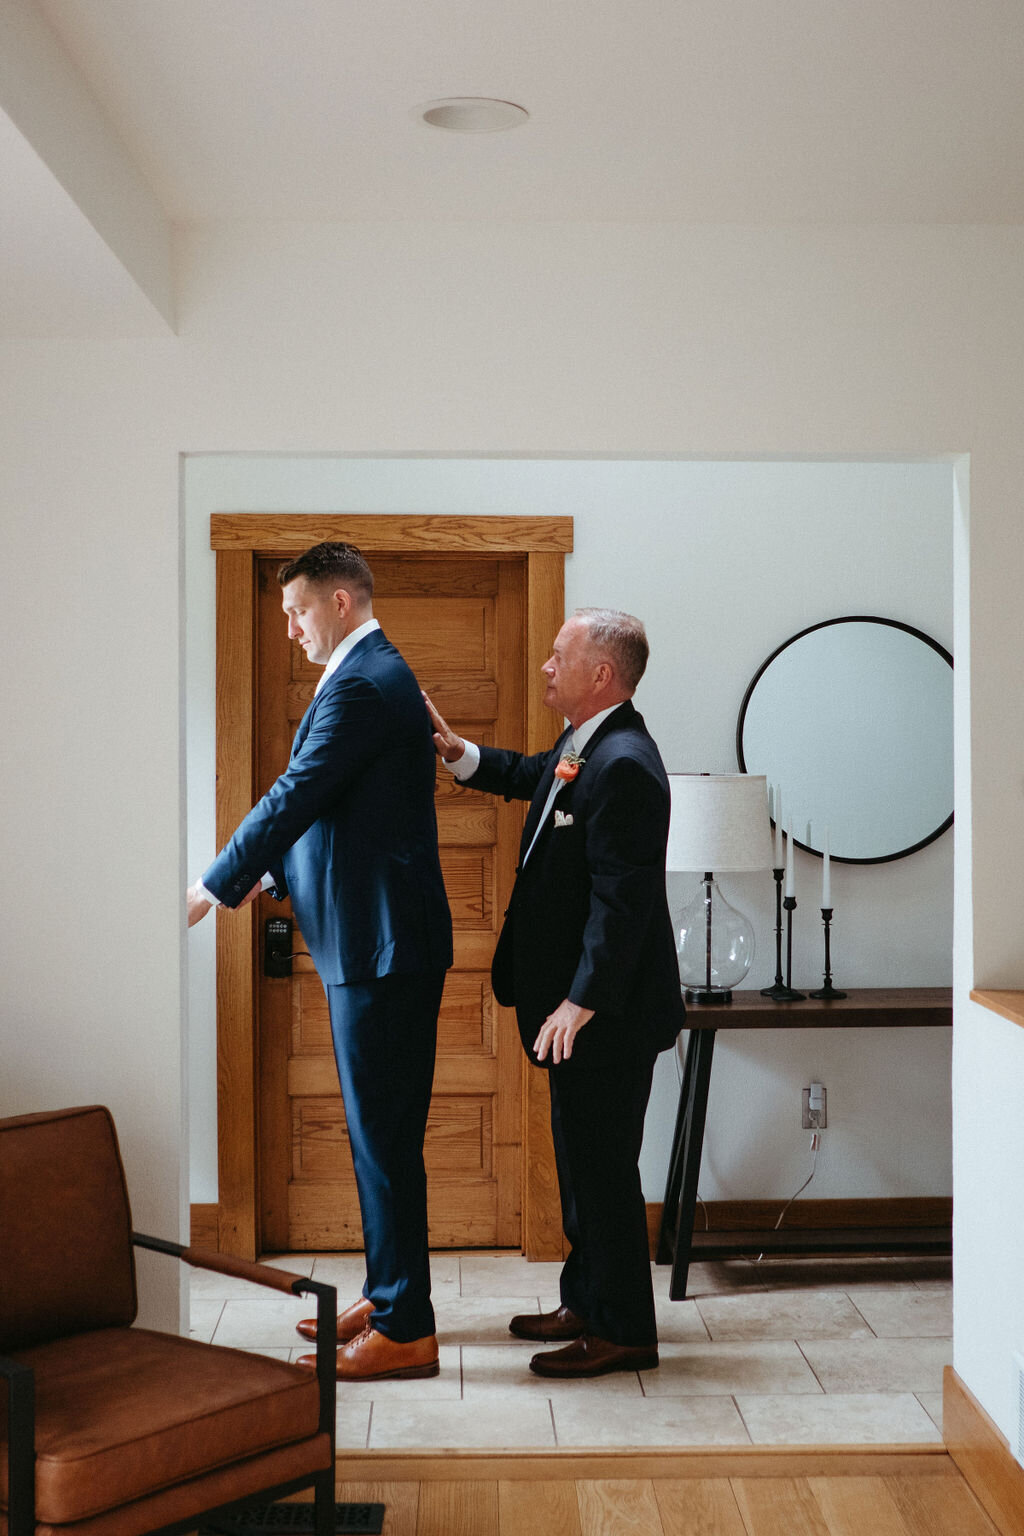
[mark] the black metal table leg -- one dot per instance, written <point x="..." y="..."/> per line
<point x="670" y="1203"/>
<point x="676" y="1235"/>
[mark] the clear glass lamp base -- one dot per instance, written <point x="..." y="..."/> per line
<point x="716" y="946"/>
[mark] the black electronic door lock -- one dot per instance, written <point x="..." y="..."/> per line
<point x="277" y="946"/>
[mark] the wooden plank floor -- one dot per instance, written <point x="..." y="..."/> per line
<point x="923" y="1498"/>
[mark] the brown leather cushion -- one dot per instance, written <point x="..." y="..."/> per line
<point x="123" y="1412"/>
<point x="67" y="1257"/>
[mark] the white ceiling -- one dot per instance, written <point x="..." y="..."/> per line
<point x="746" y="111"/>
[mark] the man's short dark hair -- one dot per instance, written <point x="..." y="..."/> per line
<point x="621" y="637"/>
<point x="341" y="563"/>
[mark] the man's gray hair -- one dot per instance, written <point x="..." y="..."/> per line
<point x="621" y="637"/>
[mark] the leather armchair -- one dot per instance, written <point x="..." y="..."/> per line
<point x="111" y="1430"/>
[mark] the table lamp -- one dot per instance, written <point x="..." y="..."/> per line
<point x="719" y="824"/>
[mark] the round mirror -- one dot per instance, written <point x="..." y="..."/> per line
<point x="852" y="722"/>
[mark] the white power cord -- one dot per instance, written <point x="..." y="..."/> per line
<point x="815" y="1149"/>
<point x="815" y="1115"/>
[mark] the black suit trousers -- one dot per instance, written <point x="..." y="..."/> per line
<point x="598" y="1102"/>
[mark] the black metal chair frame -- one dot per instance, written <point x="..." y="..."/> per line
<point x="21" y="1517"/>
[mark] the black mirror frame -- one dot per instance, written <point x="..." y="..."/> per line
<point x="850" y="618"/>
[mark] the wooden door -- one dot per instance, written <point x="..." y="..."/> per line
<point x="458" y="621"/>
<point x="241" y="539"/>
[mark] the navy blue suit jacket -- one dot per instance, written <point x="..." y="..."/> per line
<point x="589" y="918"/>
<point x="349" y="830"/>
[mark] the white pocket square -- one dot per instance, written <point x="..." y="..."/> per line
<point x="562" y="820"/>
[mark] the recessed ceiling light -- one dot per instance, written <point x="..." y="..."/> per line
<point x="472" y="114"/>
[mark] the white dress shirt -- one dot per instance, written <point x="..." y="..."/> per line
<point x="342" y="649"/>
<point x="469" y="762"/>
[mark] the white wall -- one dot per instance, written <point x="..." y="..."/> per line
<point x="723" y="561"/>
<point x="90" y="777"/>
<point x="619" y="340"/>
<point x="987" y="1068"/>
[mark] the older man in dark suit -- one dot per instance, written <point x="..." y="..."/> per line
<point x="587" y="957"/>
<point x="349" y="833"/>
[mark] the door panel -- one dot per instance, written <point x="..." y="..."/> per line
<point x="458" y="622"/>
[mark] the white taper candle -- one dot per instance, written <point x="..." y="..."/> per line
<point x="778" y="828"/>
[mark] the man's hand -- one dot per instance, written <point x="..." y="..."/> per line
<point x="197" y="906"/>
<point x="560" y="1029"/>
<point x="447" y="745"/>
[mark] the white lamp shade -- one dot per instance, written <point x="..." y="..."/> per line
<point x="719" y="822"/>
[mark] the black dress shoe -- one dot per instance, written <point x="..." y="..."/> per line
<point x="547" y="1327"/>
<point x="591" y="1356"/>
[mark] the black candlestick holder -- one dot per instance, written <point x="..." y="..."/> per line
<point x="781" y="992"/>
<point x="790" y="905"/>
<point x="828" y="990"/>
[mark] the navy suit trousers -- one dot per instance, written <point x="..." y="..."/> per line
<point x="385" y="1040"/>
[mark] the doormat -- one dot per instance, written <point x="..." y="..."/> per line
<point x="297" y="1519"/>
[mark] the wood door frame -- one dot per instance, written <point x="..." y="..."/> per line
<point x="239" y="539"/>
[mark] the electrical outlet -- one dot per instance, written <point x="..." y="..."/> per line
<point x="815" y="1105"/>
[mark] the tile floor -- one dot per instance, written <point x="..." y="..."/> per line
<point x="784" y="1352"/>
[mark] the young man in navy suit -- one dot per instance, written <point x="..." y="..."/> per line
<point x="349" y="832"/>
<point x="587" y="957"/>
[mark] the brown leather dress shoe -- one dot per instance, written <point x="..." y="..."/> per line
<point x="591" y="1356"/>
<point x="547" y="1327"/>
<point x="372" y="1356"/>
<point x="350" y="1322"/>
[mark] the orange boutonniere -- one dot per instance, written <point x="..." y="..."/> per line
<point x="569" y="766"/>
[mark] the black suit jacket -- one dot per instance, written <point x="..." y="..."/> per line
<point x="589" y="919"/>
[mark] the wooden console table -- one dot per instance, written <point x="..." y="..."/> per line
<point x="678" y="1244"/>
